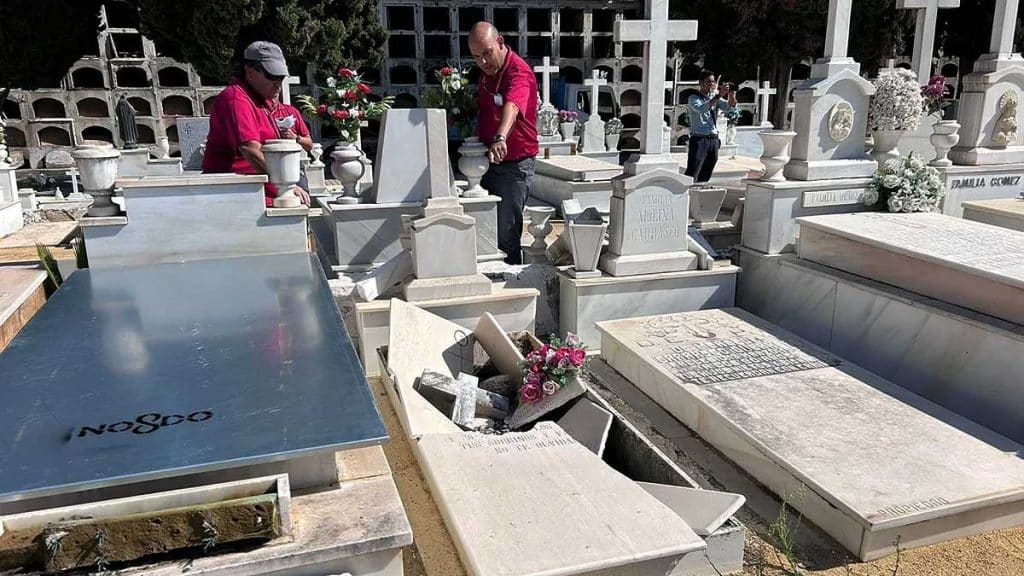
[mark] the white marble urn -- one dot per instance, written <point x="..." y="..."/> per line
<point x="567" y="130"/>
<point x="945" y="135"/>
<point x="585" y="241"/>
<point x="284" y="170"/>
<point x="776" y="149"/>
<point x="540" y="225"/>
<point x="97" y="168"/>
<point x="347" y="166"/>
<point x="885" y="145"/>
<point x="706" y="202"/>
<point x="473" y="163"/>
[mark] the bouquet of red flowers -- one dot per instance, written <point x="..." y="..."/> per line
<point x="454" y="96"/>
<point x="344" y="104"/>
<point x="552" y="367"/>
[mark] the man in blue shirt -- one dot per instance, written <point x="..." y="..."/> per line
<point x="703" y="110"/>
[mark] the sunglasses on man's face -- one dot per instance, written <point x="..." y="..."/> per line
<point x="271" y="77"/>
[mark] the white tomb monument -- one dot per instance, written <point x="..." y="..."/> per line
<point x="412" y="160"/>
<point x="593" y="128"/>
<point x="829" y="170"/>
<point x="899" y="466"/>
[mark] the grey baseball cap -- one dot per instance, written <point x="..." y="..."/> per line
<point x="269" y="56"/>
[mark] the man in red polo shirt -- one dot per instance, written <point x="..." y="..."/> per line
<point x="248" y="113"/>
<point x="508" y="124"/>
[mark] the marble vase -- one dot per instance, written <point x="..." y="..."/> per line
<point x="97" y="169"/>
<point x="347" y="166"/>
<point x="567" y="130"/>
<point x="473" y="163"/>
<point x="284" y="170"/>
<point x="945" y="135"/>
<point x="540" y="225"/>
<point x="776" y="146"/>
<point x="730" y="135"/>
<point x="886" y="142"/>
<point x="612" y="140"/>
<point x="585" y="242"/>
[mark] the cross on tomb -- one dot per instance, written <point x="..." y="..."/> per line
<point x="546" y="69"/>
<point x="286" y="91"/>
<point x="73" y="173"/>
<point x="656" y="32"/>
<point x="837" y="38"/>
<point x="1004" y="23"/>
<point x="924" y="35"/>
<point x="595" y="81"/>
<point x="765" y="92"/>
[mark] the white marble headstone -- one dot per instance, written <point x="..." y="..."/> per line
<point x="192" y="133"/>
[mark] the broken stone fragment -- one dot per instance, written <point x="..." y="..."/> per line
<point x="464" y="410"/>
<point x="502" y="385"/>
<point x="441" y="391"/>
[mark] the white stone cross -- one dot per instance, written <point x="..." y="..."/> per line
<point x="765" y="92"/>
<point x="595" y="81"/>
<point x="546" y="69"/>
<point x="73" y="173"/>
<point x="656" y="31"/>
<point x="924" y="35"/>
<point x="1004" y="23"/>
<point x="286" y="91"/>
<point x="837" y="38"/>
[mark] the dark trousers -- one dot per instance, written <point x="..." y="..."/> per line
<point x="702" y="156"/>
<point x="510" y="181"/>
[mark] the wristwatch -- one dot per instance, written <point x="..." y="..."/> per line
<point x="497" y="138"/>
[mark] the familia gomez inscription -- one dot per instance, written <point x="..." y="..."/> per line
<point x="711" y="348"/>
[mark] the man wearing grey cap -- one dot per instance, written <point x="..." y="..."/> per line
<point x="248" y="113"/>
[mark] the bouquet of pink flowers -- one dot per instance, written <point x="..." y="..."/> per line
<point x="567" y="116"/>
<point x="935" y="94"/>
<point x="551" y="367"/>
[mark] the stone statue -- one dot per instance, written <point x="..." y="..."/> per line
<point x="840" y="121"/>
<point x="126" y="123"/>
<point x="1006" y="125"/>
<point x="547" y="121"/>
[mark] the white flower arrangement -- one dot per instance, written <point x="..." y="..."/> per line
<point x="907" y="185"/>
<point x="897" y="103"/>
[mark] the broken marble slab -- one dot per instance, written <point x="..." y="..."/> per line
<point x="443" y="391"/>
<point x="588" y="424"/>
<point x="499" y="347"/>
<point x="464" y="407"/>
<point x="528" y="412"/>
<point x="390" y="275"/>
<point x="703" y="510"/>
<point x="538" y="502"/>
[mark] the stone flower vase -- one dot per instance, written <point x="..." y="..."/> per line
<point x="284" y="170"/>
<point x="347" y="166"/>
<point x="612" y="140"/>
<point x="540" y="225"/>
<point x="706" y="202"/>
<point x="98" y="172"/>
<point x="885" y="145"/>
<point x="730" y="135"/>
<point x="473" y="163"/>
<point x="945" y="135"/>
<point x="585" y="241"/>
<point x="776" y="145"/>
<point x="567" y="130"/>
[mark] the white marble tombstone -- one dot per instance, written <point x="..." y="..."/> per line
<point x="444" y="259"/>
<point x="192" y="133"/>
<point x="409" y="139"/>
<point x="593" y="128"/>
<point x="648" y="225"/>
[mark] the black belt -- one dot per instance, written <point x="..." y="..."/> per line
<point x="700" y="136"/>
